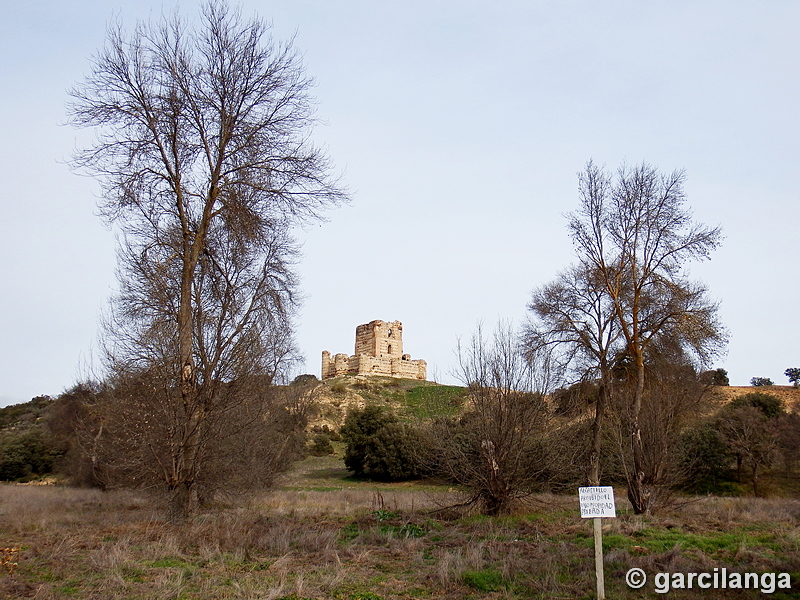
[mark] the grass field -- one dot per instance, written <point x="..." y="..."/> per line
<point x="321" y="534"/>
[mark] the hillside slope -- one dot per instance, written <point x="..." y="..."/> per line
<point x="790" y="395"/>
<point x="410" y="398"/>
<point x="425" y="399"/>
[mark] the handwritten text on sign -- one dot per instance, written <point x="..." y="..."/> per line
<point x="597" y="502"/>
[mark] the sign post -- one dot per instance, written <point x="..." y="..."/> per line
<point x="596" y="503"/>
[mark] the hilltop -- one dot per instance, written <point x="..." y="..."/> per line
<point x="25" y="415"/>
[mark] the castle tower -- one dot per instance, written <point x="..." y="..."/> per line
<point x="379" y="339"/>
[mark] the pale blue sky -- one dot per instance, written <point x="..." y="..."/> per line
<point x="459" y="128"/>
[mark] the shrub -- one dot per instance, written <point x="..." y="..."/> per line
<point x="789" y="439"/>
<point x="393" y="454"/>
<point x="705" y="456"/>
<point x="769" y="405"/>
<point x="752" y="438"/>
<point x="760" y="381"/>
<point x="26" y="455"/>
<point x="321" y="445"/>
<point x="332" y="434"/>
<point x="376" y="444"/>
<point x="306" y="379"/>
<point x="359" y="426"/>
<point x="339" y="388"/>
<point x="715" y="377"/>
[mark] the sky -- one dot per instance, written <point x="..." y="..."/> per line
<point x="459" y="128"/>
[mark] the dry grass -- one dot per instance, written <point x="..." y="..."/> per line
<point x="789" y="394"/>
<point x="358" y="539"/>
<point x="347" y="501"/>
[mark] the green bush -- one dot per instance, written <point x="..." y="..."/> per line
<point x="332" y="434"/>
<point x="393" y="455"/>
<point x="305" y="379"/>
<point x="760" y="381"/>
<point x="321" y="445"/>
<point x="26" y="455"/>
<point x="705" y="458"/>
<point x="771" y="406"/>
<point x="339" y="388"/>
<point x="379" y="446"/>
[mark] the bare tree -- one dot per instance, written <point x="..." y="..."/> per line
<point x="205" y="161"/>
<point x="574" y="316"/>
<point x="498" y="448"/>
<point x="635" y="234"/>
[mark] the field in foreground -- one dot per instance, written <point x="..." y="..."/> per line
<point x="323" y="535"/>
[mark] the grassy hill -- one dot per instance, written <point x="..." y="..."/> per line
<point x="409" y="398"/>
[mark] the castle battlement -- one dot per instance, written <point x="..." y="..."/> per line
<point x="378" y="351"/>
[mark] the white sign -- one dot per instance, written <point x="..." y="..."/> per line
<point x="597" y="502"/>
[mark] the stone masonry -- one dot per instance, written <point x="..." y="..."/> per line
<point x="379" y="351"/>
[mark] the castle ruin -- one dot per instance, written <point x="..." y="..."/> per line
<point x="379" y="351"/>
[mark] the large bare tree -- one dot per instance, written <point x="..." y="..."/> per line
<point x="204" y="155"/>
<point x="634" y="233"/>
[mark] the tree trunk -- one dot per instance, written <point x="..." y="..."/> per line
<point x="193" y="410"/>
<point x="593" y="475"/>
<point x="178" y="504"/>
<point x="637" y="494"/>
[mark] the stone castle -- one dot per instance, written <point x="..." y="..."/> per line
<point x="379" y="351"/>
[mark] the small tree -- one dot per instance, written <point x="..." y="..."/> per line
<point x="321" y="445"/>
<point x="752" y="438"/>
<point x="673" y="397"/>
<point x="501" y="446"/>
<point x="760" y="381"/>
<point x="704" y="454"/>
<point x="126" y="438"/>
<point x="789" y="440"/>
<point x="793" y="374"/>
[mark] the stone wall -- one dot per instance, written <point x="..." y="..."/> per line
<point x="378" y="351"/>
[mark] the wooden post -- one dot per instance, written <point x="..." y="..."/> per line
<point x="598" y="558"/>
<point x="597" y="502"/>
